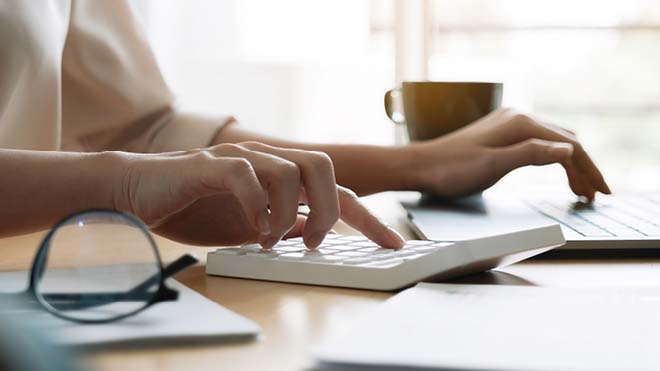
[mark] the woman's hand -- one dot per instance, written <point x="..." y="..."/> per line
<point x="235" y="193"/>
<point x="477" y="156"/>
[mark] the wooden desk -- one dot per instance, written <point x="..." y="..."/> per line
<point x="295" y="317"/>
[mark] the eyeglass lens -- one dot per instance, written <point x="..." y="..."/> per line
<point x="96" y="267"/>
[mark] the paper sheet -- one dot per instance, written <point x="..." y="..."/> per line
<point x="480" y="327"/>
<point x="189" y="319"/>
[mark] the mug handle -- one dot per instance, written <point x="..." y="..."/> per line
<point x="393" y="106"/>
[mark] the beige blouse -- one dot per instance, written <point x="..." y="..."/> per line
<point x="79" y="75"/>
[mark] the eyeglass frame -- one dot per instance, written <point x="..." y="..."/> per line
<point x="162" y="294"/>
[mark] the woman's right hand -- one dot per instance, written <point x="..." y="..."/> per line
<point x="267" y="184"/>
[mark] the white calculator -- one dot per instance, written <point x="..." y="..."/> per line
<point x="356" y="262"/>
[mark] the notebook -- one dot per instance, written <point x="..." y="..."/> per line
<point x="192" y="318"/>
<point x="481" y="327"/>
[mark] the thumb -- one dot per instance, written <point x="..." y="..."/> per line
<point x="533" y="152"/>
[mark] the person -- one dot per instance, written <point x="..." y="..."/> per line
<point x="87" y="121"/>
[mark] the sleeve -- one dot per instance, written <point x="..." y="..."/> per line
<point x="113" y="94"/>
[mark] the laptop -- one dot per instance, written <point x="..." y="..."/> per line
<point x="626" y="221"/>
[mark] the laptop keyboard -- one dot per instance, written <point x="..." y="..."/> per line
<point x="632" y="216"/>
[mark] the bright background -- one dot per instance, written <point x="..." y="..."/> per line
<point x="317" y="69"/>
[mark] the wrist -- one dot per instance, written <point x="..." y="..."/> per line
<point x="107" y="174"/>
<point x="396" y="169"/>
<point x="408" y="167"/>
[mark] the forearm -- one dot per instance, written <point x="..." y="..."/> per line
<point x="366" y="169"/>
<point x="39" y="187"/>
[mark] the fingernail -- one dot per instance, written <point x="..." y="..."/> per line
<point x="561" y="149"/>
<point x="269" y="242"/>
<point x="315" y="240"/>
<point x="263" y="224"/>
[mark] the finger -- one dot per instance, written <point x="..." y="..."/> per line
<point x="580" y="159"/>
<point x="283" y="190"/>
<point x="281" y="179"/>
<point x="355" y="214"/>
<point x="531" y="152"/>
<point x="574" y="179"/>
<point x="567" y="132"/>
<point x="543" y="152"/>
<point x="318" y="179"/>
<point x="298" y="227"/>
<point x="578" y="183"/>
<point x="237" y="176"/>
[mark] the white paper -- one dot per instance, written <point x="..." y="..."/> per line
<point x="480" y="327"/>
<point x="191" y="318"/>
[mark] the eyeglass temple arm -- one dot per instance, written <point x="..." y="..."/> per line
<point x="84" y="300"/>
<point x="170" y="270"/>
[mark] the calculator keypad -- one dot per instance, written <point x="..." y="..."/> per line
<point x="338" y="249"/>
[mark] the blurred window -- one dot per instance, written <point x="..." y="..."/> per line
<point x="590" y="65"/>
<point x="304" y="69"/>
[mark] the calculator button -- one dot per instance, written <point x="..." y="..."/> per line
<point x="333" y="242"/>
<point x="324" y="251"/>
<point x="289" y="248"/>
<point x="351" y="254"/>
<point x="286" y="243"/>
<point x="263" y="254"/>
<point x="364" y="244"/>
<point x="353" y="238"/>
<point x="251" y="248"/>
<point x="381" y="250"/>
<point x="404" y="252"/>
<point x="342" y="247"/>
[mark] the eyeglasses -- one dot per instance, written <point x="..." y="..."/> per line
<point x="99" y="266"/>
